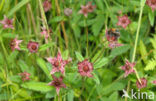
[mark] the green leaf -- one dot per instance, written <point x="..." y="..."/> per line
<point x="87" y="23"/>
<point x="143" y="51"/>
<point x="120" y="50"/>
<point x="17" y="7"/>
<point x="23" y="65"/>
<point x="45" y="46"/>
<point x="51" y="94"/>
<point x="79" y="56"/>
<point x="101" y="62"/>
<point x="70" y="95"/>
<point x="151" y="17"/>
<point x="113" y="87"/>
<point x="151" y="65"/>
<point x="8" y="35"/>
<point x="43" y="66"/>
<point x="57" y="19"/>
<point x="100" y="4"/>
<point x="76" y="30"/>
<point x="113" y="97"/>
<point x="65" y="54"/>
<point x="96" y="28"/>
<point x="96" y="78"/>
<point x="12" y="56"/>
<point x="37" y="86"/>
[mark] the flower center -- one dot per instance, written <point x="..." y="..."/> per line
<point x="123" y="21"/>
<point x="153" y="2"/>
<point x="9" y="22"/>
<point x="57" y="83"/>
<point x="34" y="47"/>
<point x="85" y="10"/>
<point x="86" y="68"/>
<point x="127" y="68"/>
<point x="56" y="63"/>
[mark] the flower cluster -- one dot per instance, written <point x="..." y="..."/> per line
<point x="25" y="76"/>
<point x="85" y="68"/>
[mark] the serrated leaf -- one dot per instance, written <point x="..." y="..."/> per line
<point x="65" y="54"/>
<point x="70" y="95"/>
<point x="76" y="30"/>
<point x="151" y="17"/>
<point x="120" y="50"/>
<point x="96" y="78"/>
<point x="37" y="86"/>
<point x="96" y="28"/>
<point x="79" y="56"/>
<point x="100" y="4"/>
<point x="23" y="65"/>
<point x="151" y="65"/>
<point x="143" y="50"/>
<point x="113" y="97"/>
<point x="12" y="56"/>
<point x="43" y="66"/>
<point x="101" y="62"/>
<point x="57" y="19"/>
<point x="45" y="46"/>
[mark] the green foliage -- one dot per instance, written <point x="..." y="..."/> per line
<point x="37" y="86"/>
<point x="151" y="64"/>
<point x="86" y="40"/>
<point x="79" y="56"/>
<point x="96" y="28"/>
<point x="17" y="7"/>
<point x="120" y="50"/>
<point x="43" y="66"/>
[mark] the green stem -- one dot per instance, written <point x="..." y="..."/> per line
<point x="137" y="37"/>
<point x="86" y="36"/>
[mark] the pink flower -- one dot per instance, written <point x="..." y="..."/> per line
<point x="58" y="64"/>
<point x="87" y="9"/>
<point x="91" y="7"/>
<point x="143" y="83"/>
<point x="33" y="46"/>
<point x="15" y="44"/>
<point x="45" y="33"/>
<point x="114" y="44"/>
<point x="152" y="4"/>
<point x="67" y="11"/>
<point x="85" y="68"/>
<point x="46" y="5"/>
<point x="154" y="82"/>
<point x="57" y="83"/>
<point x="123" y="21"/>
<point x="25" y="76"/>
<point x="7" y="23"/>
<point x="84" y="10"/>
<point x="128" y="68"/>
